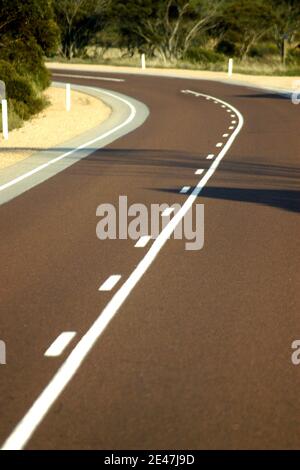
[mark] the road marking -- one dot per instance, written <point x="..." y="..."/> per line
<point x="60" y="344"/>
<point x="228" y="110"/>
<point x="210" y="156"/>
<point x="36" y="413"/>
<point x="219" y="144"/>
<point x="142" y="241"/>
<point x="207" y="98"/>
<point x="185" y="189"/>
<point x="199" y="172"/>
<point x="110" y="283"/>
<point x="225" y="135"/>
<point x="233" y="122"/>
<point x="87" y="144"/>
<point x="231" y="127"/>
<point x="216" y="102"/>
<point x="91" y="77"/>
<point x="223" y="106"/>
<point x="232" y="115"/>
<point x="167" y="212"/>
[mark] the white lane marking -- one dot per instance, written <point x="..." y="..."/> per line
<point x="142" y="242"/>
<point x="216" y="102"/>
<point x="60" y="157"/>
<point x="233" y="122"/>
<point x="36" y="413"/>
<point x="199" y="171"/>
<point x="110" y="283"/>
<point x="228" y="110"/>
<point x="60" y="344"/>
<point x="225" y="135"/>
<point x="210" y="156"/>
<point x="219" y="144"/>
<point x="89" y="77"/>
<point x="231" y="127"/>
<point x="223" y="106"/>
<point x="167" y="212"/>
<point x="232" y="115"/>
<point x="207" y="98"/>
<point x="185" y="189"/>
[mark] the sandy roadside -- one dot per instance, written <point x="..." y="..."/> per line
<point x="53" y="125"/>
<point x="279" y="83"/>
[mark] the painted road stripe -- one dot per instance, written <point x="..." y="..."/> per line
<point x="60" y="344"/>
<point x="87" y="144"/>
<point x="199" y="172"/>
<point x="167" y="212"/>
<point x="185" y="189"/>
<point x="142" y="241"/>
<point x="219" y="144"/>
<point x="233" y="122"/>
<point x="210" y="156"/>
<point x="110" y="283"/>
<point x="91" y="77"/>
<point x="36" y="413"/>
<point x="231" y="127"/>
<point x="225" y="135"/>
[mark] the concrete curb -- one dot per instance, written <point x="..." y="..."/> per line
<point x="39" y="167"/>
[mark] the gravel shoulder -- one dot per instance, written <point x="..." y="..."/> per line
<point x="53" y="126"/>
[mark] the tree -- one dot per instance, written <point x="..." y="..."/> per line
<point x="286" y="24"/>
<point x="166" y="26"/>
<point x="79" y="21"/>
<point x="246" y="22"/>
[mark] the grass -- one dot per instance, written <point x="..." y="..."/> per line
<point x="269" y="65"/>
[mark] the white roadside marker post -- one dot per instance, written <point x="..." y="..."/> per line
<point x="143" y="61"/>
<point x="4" y="119"/>
<point x="68" y="97"/>
<point x="230" y="67"/>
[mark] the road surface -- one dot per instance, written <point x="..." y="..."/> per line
<point x="195" y="351"/>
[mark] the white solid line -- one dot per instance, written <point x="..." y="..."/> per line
<point x="167" y="212"/>
<point x="90" y="77"/>
<point x="199" y="172"/>
<point x="60" y="344"/>
<point x="110" y="283"/>
<point x="36" y="413"/>
<point x="210" y="156"/>
<point x="225" y="135"/>
<point x="185" y="189"/>
<point x="60" y="157"/>
<point x="142" y="242"/>
<point x="219" y="144"/>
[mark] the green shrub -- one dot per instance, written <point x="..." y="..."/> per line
<point x="226" y="47"/>
<point x="263" y="50"/>
<point x="205" y="56"/>
<point x="293" y="57"/>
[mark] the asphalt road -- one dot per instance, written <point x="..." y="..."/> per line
<point x="198" y="355"/>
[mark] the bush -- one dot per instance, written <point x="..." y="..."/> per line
<point x="204" y="56"/>
<point x="262" y="50"/>
<point x="23" y="99"/>
<point x="293" y="57"/>
<point x="226" y="47"/>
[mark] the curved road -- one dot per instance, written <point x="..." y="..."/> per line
<point x="198" y="355"/>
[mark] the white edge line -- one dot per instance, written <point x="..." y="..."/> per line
<point x="105" y="79"/>
<point x="168" y="211"/>
<point x="28" y="424"/>
<point x="87" y="144"/>
<point x="60" y="344"/>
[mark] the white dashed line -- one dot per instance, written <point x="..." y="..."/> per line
<point x="210" y="156"/>
<point x="225" y="135"/>
<point x="185" y="189"/>
<point x="233" y="122"/>
<point x="199" y="172"/>
<point x="60" y="344"/>
<point x="43" y="403"/>
<point x="167" y="212"/>
<point x="110" y="283"/>
<point x="219" y="144"/>
<point x="231" y="127"/>
<point x="142" y="242"/>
